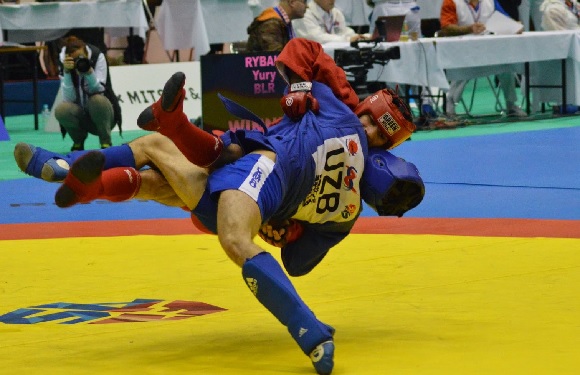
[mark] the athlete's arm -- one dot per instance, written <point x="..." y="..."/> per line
<point x="308" y="60"/>
<point x="301" y="256"/>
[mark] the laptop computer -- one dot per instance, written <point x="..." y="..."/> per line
<point x="389" y="28"/>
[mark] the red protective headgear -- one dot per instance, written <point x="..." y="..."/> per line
<point x="390" y="113"/>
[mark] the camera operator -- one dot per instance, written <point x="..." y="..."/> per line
<point x="89" y="103"/>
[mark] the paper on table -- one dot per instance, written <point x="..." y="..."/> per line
<point x="501" y="24"/>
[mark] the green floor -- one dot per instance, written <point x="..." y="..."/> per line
<point x="21" y="129"/>
<point x="485" y="121"/>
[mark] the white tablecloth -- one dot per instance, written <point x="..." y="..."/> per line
<point x="32" y="22"/>
<point x="486" y="50"/>
<point x="226" y="20"/>
<point x="180" y="25"/>
<point x="434" y="61"/>
<point x="477" y="56"/>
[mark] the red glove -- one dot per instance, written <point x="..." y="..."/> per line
<point x="299" y="100"/>
<point x="281" y="234"/>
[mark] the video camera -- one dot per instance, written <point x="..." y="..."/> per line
<point x="357" y="63"/>
<point x="366" y="55"/>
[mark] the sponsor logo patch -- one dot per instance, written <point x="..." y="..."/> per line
<point x="348" y="211"/>
<point x="256" y="177"/>
<point x="352" y="147"/>
<point x="351" y="175"/>
<point x="139" y="310"/>
<point x="389" y="124"/>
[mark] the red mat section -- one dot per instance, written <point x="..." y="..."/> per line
<point x="375" y="225"/>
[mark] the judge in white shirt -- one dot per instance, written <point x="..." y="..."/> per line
<point x="324" y="23"/>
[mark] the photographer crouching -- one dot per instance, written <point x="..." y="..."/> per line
<point x="89" y="103"/>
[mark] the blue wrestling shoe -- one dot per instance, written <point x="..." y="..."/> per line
<point x="40" y="163"/>
<point x="322" y="358"/>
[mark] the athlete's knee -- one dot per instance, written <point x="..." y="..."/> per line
<point x="239" y="247"/>
<point x="142" y="146"/>
<point x="233" y="245"/>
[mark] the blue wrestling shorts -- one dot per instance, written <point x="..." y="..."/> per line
<point x="253" y="174"/>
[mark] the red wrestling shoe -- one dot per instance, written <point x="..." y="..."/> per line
<point x="166" y="117"/>
<point x="168" y="110"/>
<point x="82" y="184"/>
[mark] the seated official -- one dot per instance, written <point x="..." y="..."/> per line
<point x="469" y="17"/>
<point x="324" y="23"/>
<point x="89" y="103"/>
<point x="272" y="29"/>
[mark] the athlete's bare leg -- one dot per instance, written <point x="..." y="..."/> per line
<point x="186" y="179"/>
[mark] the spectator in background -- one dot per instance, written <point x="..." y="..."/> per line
<point x="409" y="8"/>
<point x="272" y="29"/>
<point x="324" y="23"/>
<point x="559" y="15"/>
<point x="89" y="103"/>
<point x="463" y="17"/>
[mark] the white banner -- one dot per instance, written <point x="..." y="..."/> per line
<point x="139" y="86"/>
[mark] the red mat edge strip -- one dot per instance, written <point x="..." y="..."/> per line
<point x="365" y="225"/>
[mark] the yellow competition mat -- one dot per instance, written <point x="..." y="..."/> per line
<point x="401" y="304"/>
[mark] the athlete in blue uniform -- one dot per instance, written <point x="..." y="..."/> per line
<point x="308" y="170"/>
<point x="297" y="171"/>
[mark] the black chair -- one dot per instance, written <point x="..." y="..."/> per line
<point x="430" y="26"/>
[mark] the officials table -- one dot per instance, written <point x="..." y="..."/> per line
<point x="434" y="62"/>
<point x="4" y="52"/>
<point x="30" y="22"/>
